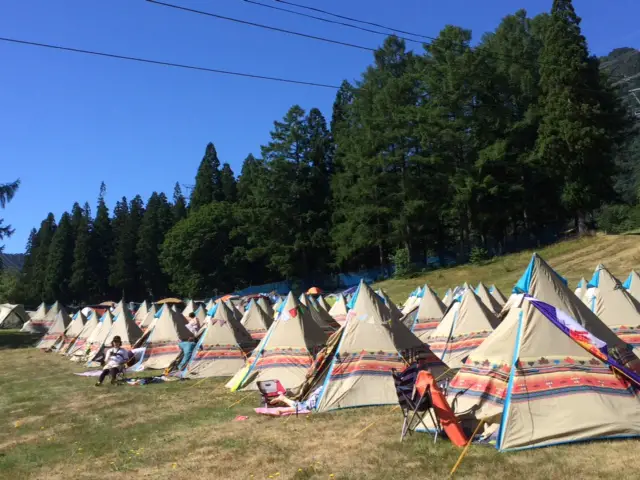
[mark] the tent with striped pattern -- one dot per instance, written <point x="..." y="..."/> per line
<point x="166" y="331"/>
<point x="467" y="323"/>
<point x="426" y="316"/>
<point x="362" y="355"/>
<point x="256" y="320"/>
<point x="124" y="327"/>
<point x="56" y="330"/>
<point x="72" y="332"/>
<point x="541" y="379"/>
<point x="77" y="349"/>
<point x="615" y="306"/>
<point x="286" y="351"/>
<point x="95" y="343"/>
<point x="223" y="346"/>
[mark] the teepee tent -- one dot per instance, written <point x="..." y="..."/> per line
<point x="615" y="306"/>
<point x="56" y="331"/>
<point x="223" y="346"/>
<point x="200" y="314"/>
<point x="256" y="321"/>
<point x="632" y="284"/>
<point x="485" y="296"/>
<point x="279" y="305"/>
<point x="339" y="310"/>
<point x="357" y="366"/>
<point x="125" y="328"/>
<point x="237" y="314"/>
<point x="428" y="314"/>
<point x="322" y="317"/>
<point x="72" y="332"/>
<point x="149" y="317"/>
<point x="40" y="313"/>
<point x="265" y="305"/>
<point x="465" y="326"/>
<point x="287" y="350"/>
<point x="210" y="304"/>
<point x="96" y="340"/>
<point x="412" y="301"/>
<point x="78" y="348"/>
<point x="51" y="316"/>
<point x="141" y="313"/>
<point x="322" y="303"/>
<point x="581" y="288"/>
<point x="497" y="294"/>
<point x="190" y="308"/>
<point x="540" y="379"/>
<point x="12" y="316"/>
<point x="543" y="283"/>
<point x="166" y="332"/>
<point x="448" y="298"/>
<point x="395" y="311"/>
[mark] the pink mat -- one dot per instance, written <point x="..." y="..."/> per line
<point x="280" y="411"/>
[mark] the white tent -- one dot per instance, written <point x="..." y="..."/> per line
<point x="12" y="316"/>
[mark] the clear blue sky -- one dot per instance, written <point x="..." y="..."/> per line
<point x="68" y="121"/>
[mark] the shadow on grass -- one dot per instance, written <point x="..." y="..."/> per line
<point x="17" y="339"/>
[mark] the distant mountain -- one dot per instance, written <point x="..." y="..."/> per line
<point x="12" y="260"/>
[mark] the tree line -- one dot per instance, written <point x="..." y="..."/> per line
<point x="445" y="151"/>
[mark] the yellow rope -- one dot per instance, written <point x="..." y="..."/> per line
<point x="234" y="404"/>
<point x="466" y="448"/>
<point x="373" y="423"/>
<point x="446" y="371"/>
<point x="198" y="382"/>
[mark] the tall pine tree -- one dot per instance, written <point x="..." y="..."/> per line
<point x="59" y="260"/>
<point x="101" y="246"/>
<point x="228" y="184"/>
<point x="7" y="191"/>
<point x="179" y="204"/>
<point x="207" y="188"/>
<point x="582" y="120"/>
<point x="83" y="282"/>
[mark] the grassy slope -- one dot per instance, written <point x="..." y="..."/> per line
<point x="573" y="259"/>
<point x="56" y="425"/>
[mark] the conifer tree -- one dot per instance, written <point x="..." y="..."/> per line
<point x="582" y="120"/>
<point x="179" y="204"/>
<point x="59" y="260"/>
<point x="228" y="184"/>
<point x="207" y="187"/>
<point x="83" y="283"/>
<point x="7" y="191"/>
<point x="45" y="235"/>
<point x="101" y="246"/>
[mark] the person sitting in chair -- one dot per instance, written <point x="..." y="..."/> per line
<point x="115" y="359"/>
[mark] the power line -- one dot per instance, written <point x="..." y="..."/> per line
<point x="335" y="22"/>
<point x="166" y="64"/>
<point x="364" y="22"/>
<point x="259" y="25"/>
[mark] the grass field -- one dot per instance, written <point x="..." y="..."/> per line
<point x="56" y="425"/>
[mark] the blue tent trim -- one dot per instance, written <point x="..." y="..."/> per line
<point x="627" y="282"/>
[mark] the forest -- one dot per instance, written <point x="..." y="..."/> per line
<point x="458" y="149"/>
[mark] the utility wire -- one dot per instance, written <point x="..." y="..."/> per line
<point x="335" y="22"/>
<point x="364" y="22"/>
<point x="166" y="64"/>
<point x="268" y="27"/>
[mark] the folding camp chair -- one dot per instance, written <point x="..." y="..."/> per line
<point x="413" y="405"/>
<point x="270" y="390"/>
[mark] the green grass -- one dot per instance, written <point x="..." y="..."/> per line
<point x="56" y="425"/>
<point x="573" y="259"/>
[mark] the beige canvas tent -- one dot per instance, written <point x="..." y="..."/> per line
<point x="615" y="306"/>
<point x="543" y="283"/>
<point x="124" y="327"/>
<point x="56" y="331"/>
<point x="120" y="306"/>
<point x="190" y="308"/>
<point x="448" y="298"/>
<point x="265" y="305"/>
<point x="632" y="284"/>
<point x="581" y="288"/>
<point x="485" y="296"/>
<point x="234" y="309"/>
<point x="210" y="305"/>
<point x="277" y="307"/>
<point x="534" y="385"/>
<point x="287" y="350"/>
<point x="141" y="313"/>
<point x="256" y="321"/>
<point x="12" y="316"/>
<point x="427" y="314"/>
<point x="96" y="341"/>
<point x="339" y="310"/>
<point x="161" y="346"/>
<point x="149" y="318"/>
<point x="395" y="311"/>
<point x="201" y="315"/>
<point x="465" y="326"/>
<point x="497" y="294"/>
<point x="412" y="301"/>
<point x="72" y="332"/>
<point x="322" y="303"/>
<point x="40" y="313"/>
<point x="78" y="349"/>
<point x="51" y="315"/>
<point x="322" y="317"/>
<point x="223" y="346"/>
<point x="355" y="370"/>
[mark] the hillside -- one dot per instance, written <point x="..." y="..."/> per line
<point x="573" y="259"/>
<point x="12" y="260"/>
<point x="623" y="64"/>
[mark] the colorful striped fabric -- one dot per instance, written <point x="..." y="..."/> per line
<point x="425" y="326"/>
<point x="366" y="363"/>
<point x="460" y="343"/>
<point x="284" y="358"/>
<point x="219" y="352"/>
<point x="629" y="335"/>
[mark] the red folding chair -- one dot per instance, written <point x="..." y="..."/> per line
<point x="270" y="390"/>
